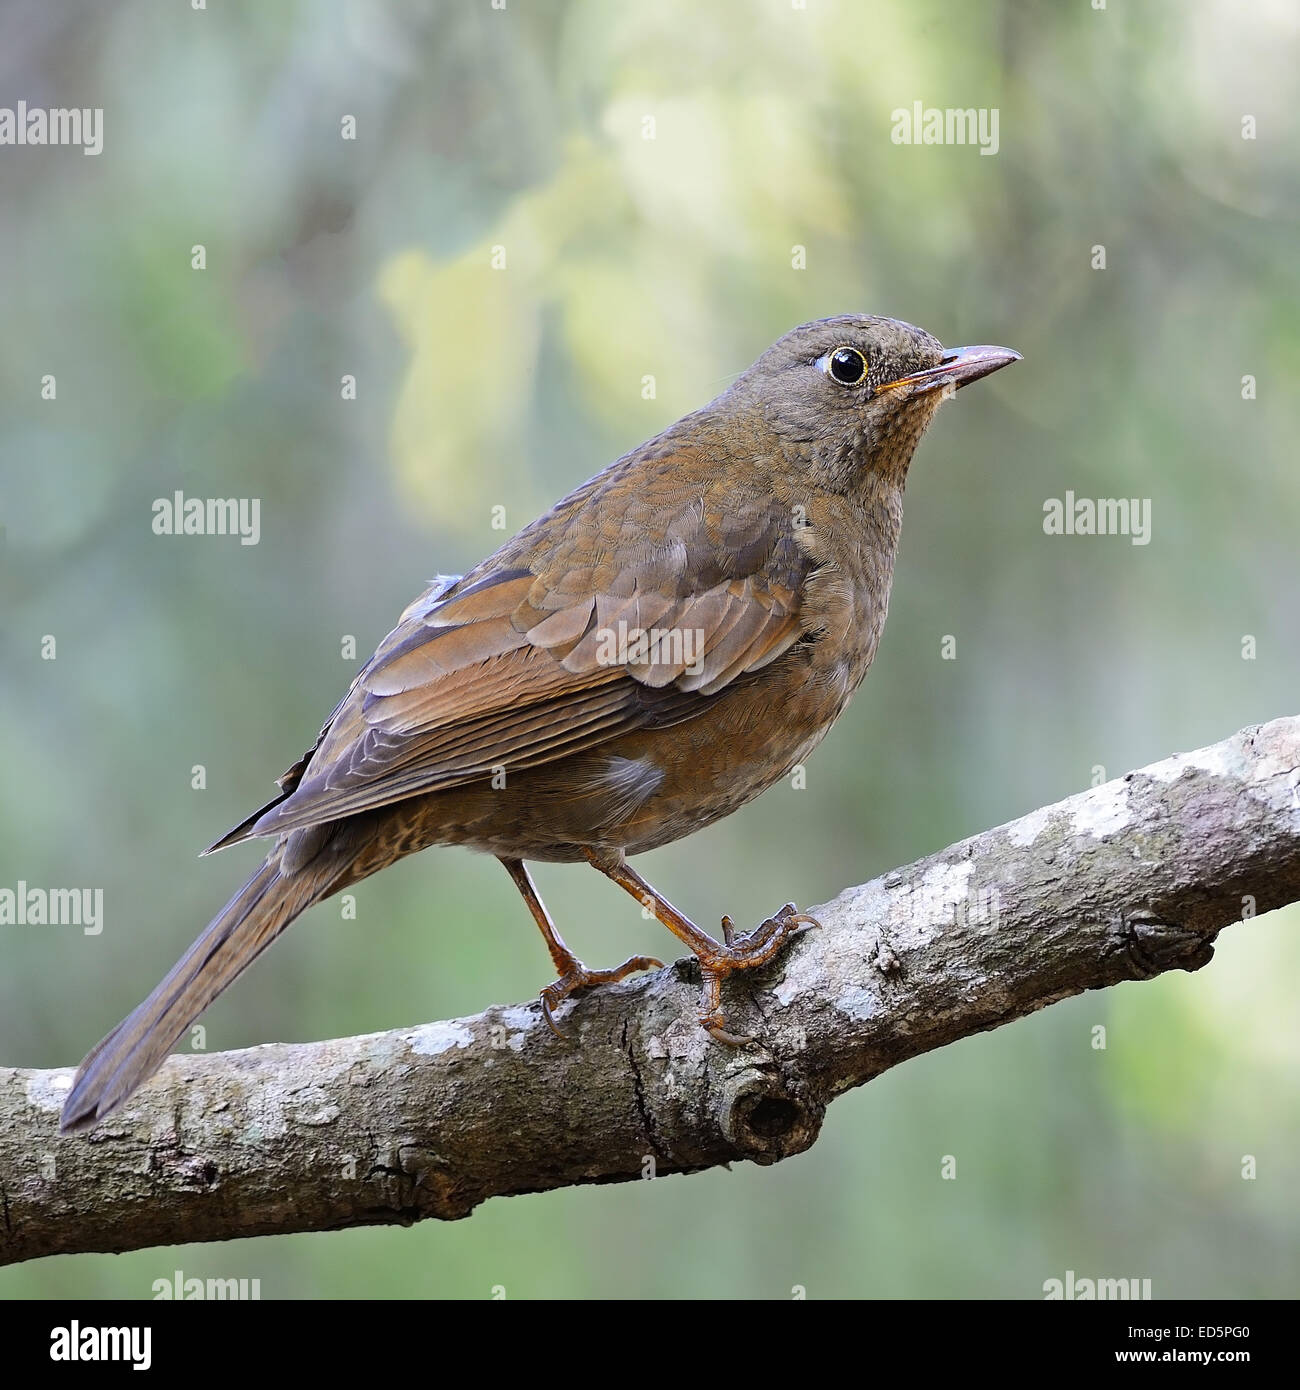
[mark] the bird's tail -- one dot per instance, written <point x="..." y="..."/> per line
<point x="235" y="937"/>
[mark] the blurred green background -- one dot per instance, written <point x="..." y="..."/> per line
<point x="524" y="128"/>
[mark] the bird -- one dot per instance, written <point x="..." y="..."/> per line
<point x="668" y="641"/>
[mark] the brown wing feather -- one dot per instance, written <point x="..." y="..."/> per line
<point x="512" y="664"/>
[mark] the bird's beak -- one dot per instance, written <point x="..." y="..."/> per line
<point x="958" y="367"/>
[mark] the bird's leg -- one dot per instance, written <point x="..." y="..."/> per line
<point x="571" y="974"/>
<point x="718" y="959"/>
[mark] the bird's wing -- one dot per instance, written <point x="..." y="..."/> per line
<point x="534" y="656"/>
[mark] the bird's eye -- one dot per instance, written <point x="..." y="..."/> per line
<point x="847" y="365"/>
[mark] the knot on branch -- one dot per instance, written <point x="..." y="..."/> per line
<point x="765" y="1118"/>
<point x="1156" y="945"/>
<point x="411" y="1183"/>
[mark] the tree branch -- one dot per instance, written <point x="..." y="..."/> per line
<point x="1118" y="883"/>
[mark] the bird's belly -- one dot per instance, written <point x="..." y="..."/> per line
<point x="649" y="788"/>
<point x="711" y="772"/>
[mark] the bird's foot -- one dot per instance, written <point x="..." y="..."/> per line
<point x="746" y="952"/>
<point x="576" y="976"/>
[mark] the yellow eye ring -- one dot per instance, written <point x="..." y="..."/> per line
<point x="845" y="365"/>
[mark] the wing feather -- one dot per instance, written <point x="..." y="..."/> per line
<point x="511" y="666"/>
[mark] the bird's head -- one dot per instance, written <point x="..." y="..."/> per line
<point x="855" y="393"/>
